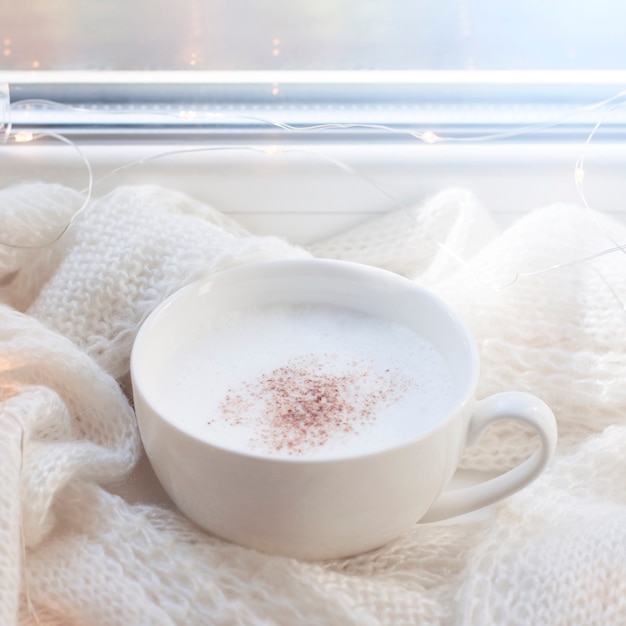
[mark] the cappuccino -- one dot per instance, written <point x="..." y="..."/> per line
<point x="304" y="380"/>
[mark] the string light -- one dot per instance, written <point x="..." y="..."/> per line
<point x="188" y="115"/>
<point x="579" y="175"/>
<point x="430" y="137"/>
<point x="23" y="137"/>
<point x="5" y="112"/>
<point x="427" y="136"/>
<point x="276" y="44"/>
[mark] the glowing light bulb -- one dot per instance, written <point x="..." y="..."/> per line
<point x="23" y="137"/>
<point x="35" y="64"/>
<point x="275" y="89"/>
<point x="579" y="175"/>
<point x="272" y="150"/>
<point x="430" y="137"/>
<point x="276" y="44"/>
<point x="188" y="115"/>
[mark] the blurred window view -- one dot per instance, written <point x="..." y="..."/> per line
<point x="222" y="35"/>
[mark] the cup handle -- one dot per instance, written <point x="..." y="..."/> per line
<point x="515" y="405"/>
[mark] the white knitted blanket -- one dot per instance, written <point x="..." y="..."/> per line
<point x="88" y="539"/>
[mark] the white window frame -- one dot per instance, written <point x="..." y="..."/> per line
<point x="246" y="103"/>
<point x="248" y="142"/>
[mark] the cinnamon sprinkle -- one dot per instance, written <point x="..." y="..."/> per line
<point x="306" y="402"/>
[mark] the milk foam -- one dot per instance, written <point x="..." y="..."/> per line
<point x="354" y="383"/>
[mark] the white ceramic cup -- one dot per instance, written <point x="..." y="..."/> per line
<point x="326" y="508"/>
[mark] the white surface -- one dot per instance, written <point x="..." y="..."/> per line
<point x="306" y="193"/>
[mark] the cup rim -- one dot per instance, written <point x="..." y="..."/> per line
<point x="147" y="327"/>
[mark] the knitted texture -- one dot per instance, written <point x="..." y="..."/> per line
<point x="132" y="249"/>
<point x="87" y="537"/>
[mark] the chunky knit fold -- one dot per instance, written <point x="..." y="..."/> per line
<point x="88" y="538"/>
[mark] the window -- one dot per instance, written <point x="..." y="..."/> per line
<point x="400" y="63"/>
<point x="348" y="35"/>
<point x="364" y="85"/>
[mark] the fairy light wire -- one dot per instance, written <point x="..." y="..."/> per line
<point x="271" y="151"/>
<point x="579" y="176"/>
<point x="427" y="136"/>
<point x="88" y="191"/>
<point x="5" y="112"/>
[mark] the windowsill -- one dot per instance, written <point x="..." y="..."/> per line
<point x="248" y="143"/>
<point x="307" y="192"/>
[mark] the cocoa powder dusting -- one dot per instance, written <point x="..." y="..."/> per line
<point x="305" y="403"/>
